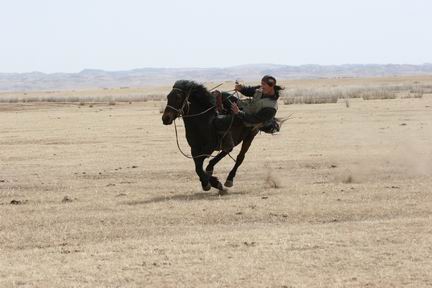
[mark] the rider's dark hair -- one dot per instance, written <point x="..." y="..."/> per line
<point x="271" y="81"/>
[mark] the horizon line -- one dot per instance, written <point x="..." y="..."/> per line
<point x="214" y="67"/>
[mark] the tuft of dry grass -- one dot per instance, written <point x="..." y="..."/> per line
<point x="320" y="95"/>
<point x="272" y="180"/>
<point x="378" y="94"/>
<point x="310" y="100"/>
<point x="348" y="179"/>
<point x="417" y="95"/>
<point x="96" y="96"/>
<point x="310" y="96"/>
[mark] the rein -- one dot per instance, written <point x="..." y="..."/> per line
<point x="182" y="114"/>
<point x="181" y="151"/>
<point x="201" y="155"/>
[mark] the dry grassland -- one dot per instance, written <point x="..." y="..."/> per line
<point x="100" y="197"/>
<point x="297" y="91"/>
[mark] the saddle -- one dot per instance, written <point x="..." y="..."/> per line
<point x="223" y="102"/>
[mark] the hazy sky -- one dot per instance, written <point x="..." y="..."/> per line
<point x="68" y="36"/>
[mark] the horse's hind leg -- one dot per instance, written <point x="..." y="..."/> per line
<point x="214" y="161"/>
<point x="239" y="160"/>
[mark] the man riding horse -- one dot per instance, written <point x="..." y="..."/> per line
<point x="196" y="105"/>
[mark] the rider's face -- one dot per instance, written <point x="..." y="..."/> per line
<point x="267" y="89"/>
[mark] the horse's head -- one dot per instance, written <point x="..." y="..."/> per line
<point x="184" y="97"/>
<point x="176" y="102"/>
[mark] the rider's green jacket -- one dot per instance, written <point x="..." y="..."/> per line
<point x="260" y="108"/>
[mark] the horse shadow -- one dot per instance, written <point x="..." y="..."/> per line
<point x="197" y="196"/>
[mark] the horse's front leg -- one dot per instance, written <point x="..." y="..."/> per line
<point x="206" y="181"/>
<point x="239" y="160"/>
<point x="214" y="161"/>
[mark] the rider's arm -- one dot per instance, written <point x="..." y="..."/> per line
<point x="248" y="91"/>
<point x="262" y="116"/>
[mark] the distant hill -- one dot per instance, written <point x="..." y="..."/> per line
<point x="91" y="78"/>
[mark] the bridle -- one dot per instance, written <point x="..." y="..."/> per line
<point x="186" y="104"/>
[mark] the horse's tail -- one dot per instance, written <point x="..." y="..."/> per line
<point x="275" y="125"/>
<point x="280" y="121"/>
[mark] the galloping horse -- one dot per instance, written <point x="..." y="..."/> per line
<point x="196" y="105"/>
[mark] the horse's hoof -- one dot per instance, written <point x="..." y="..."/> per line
<point x="223" y="192"/>
<point x="209" y="172"/>
<point x="220" y="187"/>
<point x="229" y="183"/>
<point x="206" y="187"/>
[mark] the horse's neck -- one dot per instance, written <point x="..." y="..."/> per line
<point x="197" y="107"/>
<point x="200" y="102"/>
<point x="200" y="118"/>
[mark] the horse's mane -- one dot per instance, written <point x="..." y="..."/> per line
<point x="197" y="91"/>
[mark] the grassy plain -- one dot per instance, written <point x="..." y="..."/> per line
<point x="100" y="197"/>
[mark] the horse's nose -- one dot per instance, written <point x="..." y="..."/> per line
<point x="166" y="118"/>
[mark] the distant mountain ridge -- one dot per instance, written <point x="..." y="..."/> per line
<point x="94" y="78"/>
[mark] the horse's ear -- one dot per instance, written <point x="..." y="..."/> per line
<point x="190" y="84"/>
<point x="177" y="84"/>
<point x="183" y="84"/>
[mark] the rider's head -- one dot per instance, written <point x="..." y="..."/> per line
<point x="268" y="83"/>
<point x="269" y="87"/>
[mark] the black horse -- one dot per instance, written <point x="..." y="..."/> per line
<point x="196" y="105"/>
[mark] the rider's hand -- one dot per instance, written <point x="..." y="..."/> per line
<point x="215" y="92"/>
<point x="238" y="87"/>
<point x="234" y="108"/>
